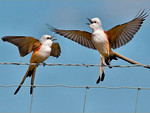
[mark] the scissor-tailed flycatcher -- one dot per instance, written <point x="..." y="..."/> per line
<point x="103" y="41"/>
<point x="41" y="51"/>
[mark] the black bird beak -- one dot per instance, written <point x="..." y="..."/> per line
<point x="90" y="21"/>
<point x="53" y="39"/>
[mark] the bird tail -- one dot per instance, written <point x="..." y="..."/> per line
<point x="128" y="60"/>
<point x="107" y="60"/>
<point x="101" y="71"/>
<point x="30" y="72"/>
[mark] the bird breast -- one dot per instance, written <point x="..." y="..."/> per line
<point x="41" y="55"/>
<point x="45" y="51"/>
<point x="100" y="41"/>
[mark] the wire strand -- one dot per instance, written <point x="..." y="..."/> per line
<point x="87" y="87"/>
<point x="69" y="86"/>
<point x="85" y="65"/>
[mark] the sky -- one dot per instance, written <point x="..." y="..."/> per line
<point x="29" y="18"/>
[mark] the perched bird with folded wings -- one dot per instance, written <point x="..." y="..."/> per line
<point x="41" y="51"/>
<point x="103" y="41"/>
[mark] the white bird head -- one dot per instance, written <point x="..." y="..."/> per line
<point x="95" y="24"/>
<point x="47" y="40"/>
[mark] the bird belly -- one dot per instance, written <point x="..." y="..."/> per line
<point x="101" y="43"/>
<point x="41" y="55"/>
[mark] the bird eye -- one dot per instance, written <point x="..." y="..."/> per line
<point x="48" y="37"/>
<point x="94" y="21"/>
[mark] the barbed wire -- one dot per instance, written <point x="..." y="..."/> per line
<point x="69" y="86"/>
<point x="85" y="65"/>
<point x="86" y="89"/>
<point x="83" y="87"/>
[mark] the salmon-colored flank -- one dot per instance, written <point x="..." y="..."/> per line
<point x="106" y="34"/>
<point x="108" y="41"/>
<point x="38" y="48"/>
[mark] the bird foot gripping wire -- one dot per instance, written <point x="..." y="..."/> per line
<point x="44" y="64"/>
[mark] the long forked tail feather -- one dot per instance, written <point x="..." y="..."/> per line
<point x="31" y="70"/>
<point x="100" y="78"/>
<point x="108" y="60"/>
<point x="129" y="60"/>
<point x="32" y="81"/>
<point x="101" y="71"/>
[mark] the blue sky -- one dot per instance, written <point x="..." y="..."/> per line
<point x="29" y="18"/>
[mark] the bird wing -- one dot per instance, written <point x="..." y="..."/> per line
<point x="81" y="37"/>
<point x="56" y="50"/>
<point x="25" y="44"/>
<point x="122" y="34"/>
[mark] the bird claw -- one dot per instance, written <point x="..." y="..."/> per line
<point x="110" y="66"/>
<point x="34" y="86"/>
<point x="44" y="64"/>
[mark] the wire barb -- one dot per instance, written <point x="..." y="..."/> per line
<point x="68" y="86"/>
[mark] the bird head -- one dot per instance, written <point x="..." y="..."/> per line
<point x="47" y="40"/>
<point x="95" y="24"/>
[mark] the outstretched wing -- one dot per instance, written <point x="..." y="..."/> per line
<point x="81" y="37"/>
<point x="25" y="44"/>
<point x="56" y="50"/>
<point x="122" y="34"/>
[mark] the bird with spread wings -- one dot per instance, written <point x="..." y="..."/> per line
<point x="42" y="49"/>
<point x="105" y="41"/>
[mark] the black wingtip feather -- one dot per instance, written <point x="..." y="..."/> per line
<point x="141" y="14"/>
<point x="4" y="38"/>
